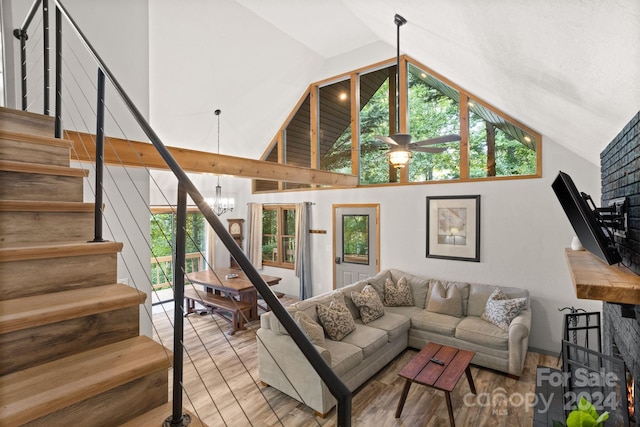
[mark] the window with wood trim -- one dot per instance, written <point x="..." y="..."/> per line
<point x="329" y="131"/>
<point x="279" y="235"/>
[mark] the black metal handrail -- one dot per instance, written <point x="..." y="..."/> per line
<point x="337" y="388"/>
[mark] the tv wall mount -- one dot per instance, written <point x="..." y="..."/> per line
<point x="613" y="218"/>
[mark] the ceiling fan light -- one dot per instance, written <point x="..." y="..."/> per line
<point x="399" y="158"/>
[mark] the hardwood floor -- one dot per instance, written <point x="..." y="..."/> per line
<point x="223" y="389"/>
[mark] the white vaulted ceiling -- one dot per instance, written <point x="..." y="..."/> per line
<point x="569" y="69"/>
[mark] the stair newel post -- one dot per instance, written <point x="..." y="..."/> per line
<point x="178" y="418"/>
<point x="45" y="47"/>
<point x="58" y="121"/>
<point x="21" y="34"/>
<point x="99" y="157"/>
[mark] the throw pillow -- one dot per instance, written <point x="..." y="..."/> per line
<point x="445" y="299"/>
<point x="397" y="294"/>
<point x="336" y="319"/>
<point x="311" y="329"/>
<point x="369" y="303"/>
<point x="500" y="310"/>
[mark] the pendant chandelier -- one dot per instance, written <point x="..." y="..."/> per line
<point x="221" y="204"/>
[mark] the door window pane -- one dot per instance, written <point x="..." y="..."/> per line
<point x="355" y="236"/>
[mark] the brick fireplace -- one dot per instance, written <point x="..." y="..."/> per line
<point x="620" y="172"/>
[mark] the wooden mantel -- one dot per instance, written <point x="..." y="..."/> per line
<point x="593" y="279"/>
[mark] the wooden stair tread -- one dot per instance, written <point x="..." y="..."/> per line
<point x="26" y="312"/>
<point x="35" y="139"/>
<point x="32" y="393"/>
<point x="44" y="206"/>
<point x="13" y="166"/>
<point x="156" y="417"/>
<point x="25" y="121"/>
<point x="57" y="250"/>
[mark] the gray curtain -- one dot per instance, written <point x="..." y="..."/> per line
<point x="303" y="250"/>
<point x="254" y="234"/>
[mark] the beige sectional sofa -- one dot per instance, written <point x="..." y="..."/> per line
<point x="366" y="350"/>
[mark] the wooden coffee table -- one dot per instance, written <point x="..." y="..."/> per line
<point x="422" y="370"/>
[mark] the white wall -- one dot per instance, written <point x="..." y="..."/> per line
<point x="126" y="220"/>
<point x="523" y="235"/>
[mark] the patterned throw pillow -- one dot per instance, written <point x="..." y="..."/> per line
<point x="369" y="304"/>
<point x="500" y="310"/>
<point x="311" y="329"/>
<point x="445" y="299"/>
<point x="336" y="319"/>
<point x="397" y="294"/>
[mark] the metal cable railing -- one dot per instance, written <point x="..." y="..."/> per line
<point x="186" y="187"/>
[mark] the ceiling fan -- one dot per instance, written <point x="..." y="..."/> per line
<point x="400" y="145"/>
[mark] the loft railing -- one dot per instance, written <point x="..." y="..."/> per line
<point x="185" y="187"/>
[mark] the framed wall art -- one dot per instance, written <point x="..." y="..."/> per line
<point x="453" y="227"/>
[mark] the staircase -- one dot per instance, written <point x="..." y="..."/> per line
<point x="70" y="350"/>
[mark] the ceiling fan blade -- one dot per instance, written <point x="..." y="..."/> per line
<point x="436" y="140"/>
<point x="434" y="150"/>
<point x="386" y="139"/>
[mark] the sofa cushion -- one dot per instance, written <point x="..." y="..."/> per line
<point x="419" y="286"/>
<point x="346" y="292"/>
<point x="501" y="310"/>
<point x="404" y="311"/>
<point x="378" y="282"/>
<point x="393" y="324"/>
<point x="435" y="322"/>
<point x="275" y="324"/>
<point x="479" y="295"/>
<point x="397" y="294"/>
<point x="367" y="338"/>
<point x="336" y="319"/>
<point x="445" y="299"/>
<point x="311" y="329"/>
<point x="309" y="305"/>
<point x="369" y="303"/>
<point x="344" y="356"/>
<point x="462" y="287"/>
<point x="478" y="331"/>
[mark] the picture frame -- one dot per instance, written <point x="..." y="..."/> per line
<point x="453" y="227"/>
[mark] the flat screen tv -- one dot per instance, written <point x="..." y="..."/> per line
<point x="586" y="222"/>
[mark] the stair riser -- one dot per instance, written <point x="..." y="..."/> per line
<point x="21" y="151"/>
<point x="113" y="407"/>
<point x="17" y="121"/>
<point x="49" y="342"/>
<point x="59" y="274"/>
<point x="32" y="186"/>
<point x="36" y="227"/>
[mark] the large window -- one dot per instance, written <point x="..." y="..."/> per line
<point x="377" y="91"/>
<point x="497" y="147"/>
<point x="163" y="224"/>
<point x="434" y="110"/>
<point x="321" y="131"/>
<point x="279" y="235"/>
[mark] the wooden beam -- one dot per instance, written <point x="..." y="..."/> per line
<point x="139" y="154"/>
